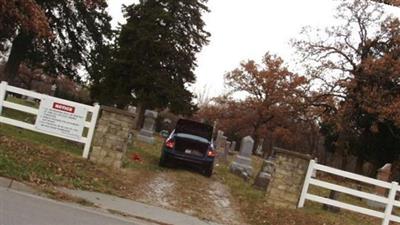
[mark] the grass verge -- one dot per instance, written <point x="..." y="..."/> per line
<point x="48" y="161"/>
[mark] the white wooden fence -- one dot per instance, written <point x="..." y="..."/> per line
<point x="389" y="202"/>
<point x="90" y="125"/>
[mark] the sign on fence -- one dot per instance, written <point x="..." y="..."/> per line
<point x="55" y="116"/>
<point x="62" y="119"/>
<point x="388" y="201"/>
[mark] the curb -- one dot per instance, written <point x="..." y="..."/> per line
<point x="18" y="186"/>
<point x="79" y="207"/>
<point x="153" y="214"/>
<point x="5" y="182"/>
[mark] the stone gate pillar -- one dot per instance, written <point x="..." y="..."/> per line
<point x="287" y="181"/>
<point x="111" y="136"/>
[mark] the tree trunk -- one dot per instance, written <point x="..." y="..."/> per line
<point x="334" y="195"/>
<point x="344" y="160"/>
<point x="141" y="108"/>
<point x="256" y="137"/>
<point x="359" y="165"/>
<point x="19" y="49"/>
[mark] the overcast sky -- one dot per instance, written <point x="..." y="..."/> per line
<point x="247" y="29"/>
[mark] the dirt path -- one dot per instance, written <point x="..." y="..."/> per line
<point x="224" y="208"/>
<point x="191" y="194"/>
<point x="157" y="191"/>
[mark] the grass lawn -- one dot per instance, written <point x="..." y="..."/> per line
<point x="149" y="156"/>
<point x="31" y="136"/>
<point x="251" y="201"/>
<point x="48" y="161"/>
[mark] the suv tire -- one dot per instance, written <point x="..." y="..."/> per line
<point x="208" y="170"/>
<point x="163" y="161"/>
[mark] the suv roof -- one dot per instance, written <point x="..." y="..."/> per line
<point x="194" y="128"/>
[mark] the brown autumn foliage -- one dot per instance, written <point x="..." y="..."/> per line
<point x="357" y="69"/>
<point x="390" y="2"/>
<point x="37" y="80"/>
<point x="26" y="15"/>
<point x="274" y="106"/>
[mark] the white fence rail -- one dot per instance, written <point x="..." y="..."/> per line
<point x="389" y="202"/>
<point x="85" y="109"/>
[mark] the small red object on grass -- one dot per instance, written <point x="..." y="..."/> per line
<point x="136" y="157"/>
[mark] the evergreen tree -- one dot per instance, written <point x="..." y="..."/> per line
<point x="155" y="56"/>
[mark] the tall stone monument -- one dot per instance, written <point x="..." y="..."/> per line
<point x="242" y="164"/>
<point x="221" y="144"/>
<point x="218" y="140"/>
<point x="259" y="150"/>
<point x="383" y="174"/>
<point x="146" y="133"/>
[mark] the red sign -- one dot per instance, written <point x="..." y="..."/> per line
<point x="62" y="107"/>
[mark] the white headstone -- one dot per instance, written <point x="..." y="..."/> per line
<point x="246" y="146"/>
<point x="225" y="152"/>
<point x="146" y="133"/>
<point x="242" y="165"/>
<point x="233" y="147"/>
<point x="219" y="140"/>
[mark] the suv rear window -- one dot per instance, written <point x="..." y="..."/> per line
<point x="194" y="128"/>
<point x="191" y="136"/>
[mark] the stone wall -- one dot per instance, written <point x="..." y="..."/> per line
<point x="287" y="182"/>
<point x="111" y="136"/>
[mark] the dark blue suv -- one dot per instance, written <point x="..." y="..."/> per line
<point x="191" y="142"/>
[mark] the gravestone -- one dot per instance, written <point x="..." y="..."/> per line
<point x="368" y="169"/>
<point x="223" y="141"/>
<point x="146" y="133"/>
<point x="131" y="109"/>
<point x="383" y="175"/>
<point x="167" y="125"/>
<point x="130" y="138"/>
<point x="53" y="89"/>
<point x="218" y="140"/>
<point x="224" y="154"/>
<point x="232" y="148"/>
<point x="259" y="150"/>
<point x="351" y="163"/>
<point x="241" y="165"/>
<point x="215" y="126"/>
<point x="265" y="175"/>
<point x="395" y="175"/>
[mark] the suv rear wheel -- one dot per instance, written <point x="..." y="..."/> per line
<point x="163" y="161"/>
<point x="208" y="170"/>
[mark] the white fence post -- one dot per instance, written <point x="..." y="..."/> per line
<point x="92" y="127"/>
<point x="389" y="206"/>
<point x="306" y="184"/>
<point x="3" y="91"/>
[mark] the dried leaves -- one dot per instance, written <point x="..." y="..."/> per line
<point x="26" y="15"/>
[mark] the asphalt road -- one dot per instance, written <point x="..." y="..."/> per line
<point x="23" y="209"/>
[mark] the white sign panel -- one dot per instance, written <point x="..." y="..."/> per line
<point x="61" y="118"/>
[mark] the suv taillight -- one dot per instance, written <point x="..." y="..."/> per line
<point x="170" y="143"/>
<point x="211" y="152"/>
